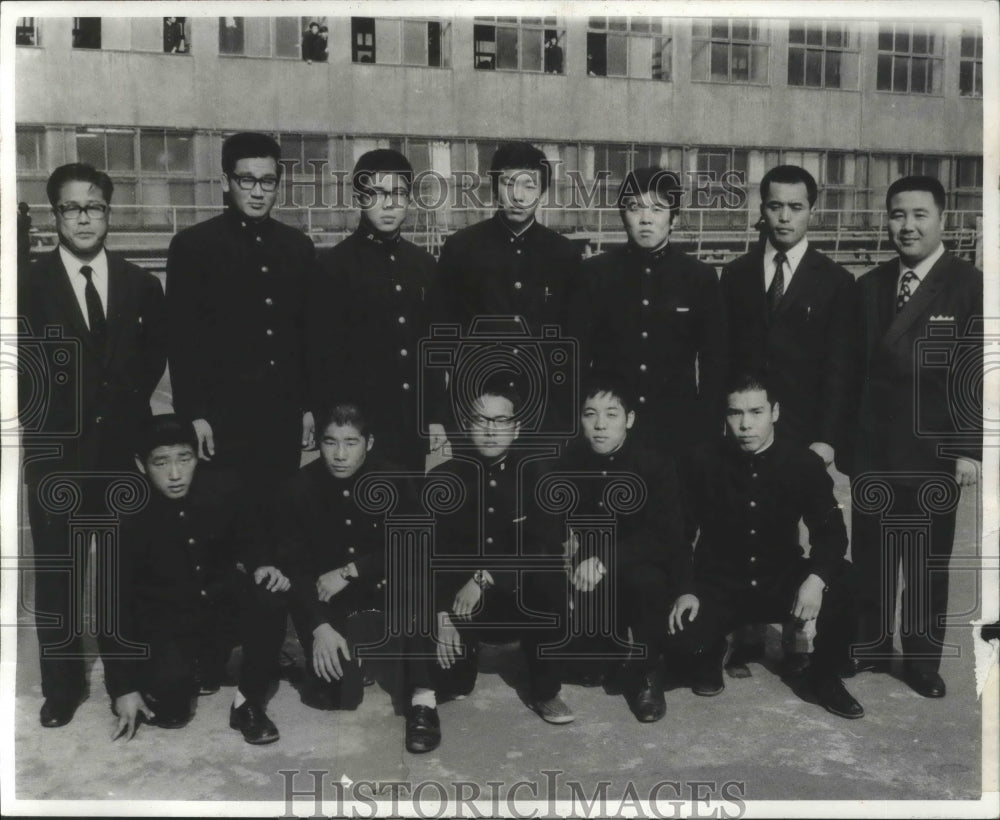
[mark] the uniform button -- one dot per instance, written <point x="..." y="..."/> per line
<point x="392" y="257"/>
<point x="406" y="385"/>
<point x="644" y="334"/>
<point x="518" y="251"/>
<point x="404" y="352"/>
<point x="191" y="541"/>
<point x="271" y="362"/>
<point x="490" y="510"/>
<point x="269" y="301"/>
<point x="347" y="493"/>
<point x="645" y="302"/>
<point x="264" y="269"/>
<point x="493" y="482"/>
<point x="347" y="521"/>
<point x="753" y="532"/>
<point x="754" y="475"/>
<point x="399" y="288"/>
<point x="204" y="594"/>
<point x="646" y="270"/>
<point x="517" y="285"/>
<point x="198" y="568"/>
<point x="350" y="550"/>
<point x="642" y="367"/>
<point x="753" y="583"/>
<point x="270" y="332"/>
<point x="402" y="320"/>
<point x="604" y="472"/>
<point x="489" y="540"/>
<point x="642" y="399"/>
<point x="600" y="503"/>
<point x="753" y="503"/>
<point x="256" y="237"/>
<point x="753" y="559"/>
<point x="99" y="419"/>
<point x="181" y="513"/>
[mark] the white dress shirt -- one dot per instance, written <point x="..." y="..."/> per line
<point x="920" y="270"/>
<point x="99" y="264"/>
<point x="793" y="256"/>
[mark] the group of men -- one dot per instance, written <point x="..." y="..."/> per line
<point x="669" y="519"/>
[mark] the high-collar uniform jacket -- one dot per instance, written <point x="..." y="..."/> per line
<point x="236" y="292"/>
<point x="95" y="400"/>
<point x="657" y="319"/>
<point x="322" y="527"/>
<point x="369" y="307"/>
<point x="637" y="488"/>
<point x="747" y="508"/>
<point x="807" y="348"/>
<point x="178" y="558"/>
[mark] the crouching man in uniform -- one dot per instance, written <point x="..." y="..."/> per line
<point x="745" y="496"/>
<point x="185" y="594"/>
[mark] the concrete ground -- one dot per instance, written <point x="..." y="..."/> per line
<point x="758" y="736"/>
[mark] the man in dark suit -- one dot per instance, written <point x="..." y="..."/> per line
<point x="919" y="430"/>
<point x="236" y="288"/>
<point x="791" y="315"/>
<point x="368" y="308"/>
<point x="112" y="314"/>
<point x="655" y="315"/>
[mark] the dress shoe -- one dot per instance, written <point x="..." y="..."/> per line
<point x="707" y="672"/>
<point x="253" y="722"/>
<point x="990" y="631"/>
<point x="923" y="681"/>
<point x="854" y="666"/>
<point x="56" y="713"/>
<point x="647" y="701"/>
<point x="208" y="687"/>
<point x="423" y="729"/>
<point x="553" y="710"/>
<point x="834" y="697"/>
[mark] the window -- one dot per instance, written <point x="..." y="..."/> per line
<point x="86" y="32"/>
<point x="519" y="44"/>
<point x="909" y="59"/>
<point x="26" y="32"/>
<point x="400" y="41"/>
<point x="260" y="36"/>
<point x="638" y="47"/>
<point x="30" y="149"/>
<point x="713" y="166"/>
<point x="164" y="152"/>
<point x="176" y="35"/>
<point x="613" y="160"/>
<point x="970" y="67"/>
<point x="822" y="55"/>
<point x="968" y="194"/>
<point x="729" y="51"/>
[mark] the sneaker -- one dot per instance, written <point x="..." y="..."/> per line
<point x="553" y="710"/>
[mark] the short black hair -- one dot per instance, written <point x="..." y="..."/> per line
<point x="611" y="382"/>
<point x="165" y="430"/>
<point x="664" y="184"/>
<point x="500" y="384"/>
<point x="77" y="172"/>
<point x="380" y="161"/>
<point x="789" y="175"/>
<point x="248" y="145"/>
<point x="749" y="380"/>
<point x="314" y="23"/>
<point x="517" y="156"/>
<point x="343" y="413"/>
<point x="931" y="185"/>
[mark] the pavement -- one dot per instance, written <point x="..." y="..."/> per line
<point x="757" y="741"/>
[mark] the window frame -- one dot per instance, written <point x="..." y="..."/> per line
<point x="519" y="26"/>
<point x="763" y="28"/>
<point x="272" y="39"/>
<point x="934" y="58"/>
<point x="975" y="60"/>
<point x="35" y="28"/>
<point x="443" y="41"/>
<point x="628" y="28"/>
<point x="851" y="47"/>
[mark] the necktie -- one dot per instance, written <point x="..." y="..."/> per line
<point x="95" y="311"/>
<point x="905" y="291"/>
<point x="777" y="288"/>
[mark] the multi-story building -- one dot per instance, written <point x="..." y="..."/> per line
<point x="858" y="103"/>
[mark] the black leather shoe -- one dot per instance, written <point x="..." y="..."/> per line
<point x="56" y="713"/>
<point x="423" y="729"/>
<point x="854" y="666"/>
<point x="923" y="681"/>
<point x="834" y="697"/>
<point x="707" y="672"/>
<point x="990" y="631"/>
<point x="254" y="723"/>
<point x="647" y="701"/>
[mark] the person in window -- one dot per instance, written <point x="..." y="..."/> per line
<point x="323" y="52"/>
<point x="312" y="44"/>
<point x="174" y="41"/>
<point x="553" y="57"/>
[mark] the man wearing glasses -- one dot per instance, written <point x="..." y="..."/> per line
<point x="235" y="299"/>
<point x="86" y="408"/>
<point x="369" y="309"/>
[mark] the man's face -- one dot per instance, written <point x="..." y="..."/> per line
<point x="170" y="469"/>
<point x="82" y="232"/>
<point x="647" y="220"/>
<point x="605" y="423"/>
<point x="255" y="204"/>
<point x="344" y="449"/>
<point x="786" y="211"/>
<point x="750" y="419"/>
<point x="519" y="191"/>
<point x="387" y="204"/>
<point x="492" y="427"/>
<point x="915" y="225"/>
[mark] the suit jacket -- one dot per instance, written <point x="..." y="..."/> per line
<point x="94" y="402"/>
<point x="807" y="349"/>
<point x="657" y="319"/>
<point x="235" y="300"/>
<point x="921" y="402"/>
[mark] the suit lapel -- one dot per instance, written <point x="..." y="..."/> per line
<point x="799" y="284"/>
<point x="58" y="285"/>
<point x="920" y="302"/>
<point x="117" y="296"/>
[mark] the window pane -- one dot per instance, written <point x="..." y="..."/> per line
<point x="832" y="73"/>
<point x="796" y="66"/>
<point x="28" y="144"/>
<point x="720" y="29"/>
<point x="796" y="33"/>
<point x="700" y="59"/>
<point x="90" y="149"/>
<point x="618" y="23"/>
<point x="257" y="33"/>
<point x="230" y="35"/>
<point x="902" y="42"/>
<point x="314" y="148"/>
<point x="918" y="76"/>
<point x="640" y="57"/>
<point x="147" y="33"/>
<point x="720" y="61"/>
<point x="419" y="154"/>
<point x="362" y="40"/>
<point x="663" y="58"/>
<point x="414" y="42"/>
<point x="758" y="64"/>
<point x="835" y="35"/>
<point x="484" y="38"/>
<point x="287" y="37"/>
<point x="919" y="43"/>
<point x="531" y="49"/>
<point x="435" y="47"/>
<point x="151" y="152"/>
<point x="179" y="153"/>
<point x="617" y="55"/>
<point x="814" y="34"/>
<point x="900" y="66"/>
<point x="814" y="68"/>
<point x="639" y="24"/>
<point x="741" y="62"/>
<point x="741" y="30"/>
<point x="121" y="152"/>
<point x="387" y="46"/>
<point x="597" y="22"/>
<point x="883" y="80"/>
<point x="885" y="38"/>
<point x="87" y="32"/>
<point x="507" y="48"/>
<point x="26" y="33"/>
<point x="597" y="54"/>
<point x="181" y="193"/>
<point x="617" y="161"/>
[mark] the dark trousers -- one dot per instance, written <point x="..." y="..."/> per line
<point x="523" y="614"/>
<point x="921" y="542"/>
<point x="728" y="606"/>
